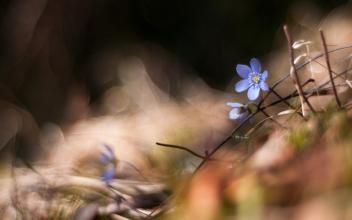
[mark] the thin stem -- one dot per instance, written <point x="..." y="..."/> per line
<point x="308" y="81"/>
<point x="338" y="75"/>
<point x="286" y="102"/>
<point x="334" y="73"/>
<point x="181" y="148"/>
<point x="258" y="125"/>
<point x="294" y="76"/>
<point x="329" y="68"/>
<point x="190" y="151"/>
<point x="224" y="142"/>
<point x="280" y="97"/>
<point x="271" y="118"/>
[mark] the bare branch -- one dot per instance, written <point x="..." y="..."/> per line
<point x="181" y="148"/>
<point x="224" y="141"/>
<point x="294" y="74"/>
<point x="329" y="68"/>
<point x="271" y="118"/>
<point x="191" y="152"/>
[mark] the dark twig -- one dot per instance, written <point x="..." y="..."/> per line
<point x="294" y="74"/>
<point x="280" y="97"/>
<point x="286" y="102"/>
<point x="181" y="148"/>
<point x="271" y="118"/>
<point x="224" y="141"/>
<point x="334" y="73"/>
<point x="292" y="95"/>
<point x="191" y="152"/>
<point x="337" y="75"/>
<point x="329" y="68"/>
<point x="307" y="82"/>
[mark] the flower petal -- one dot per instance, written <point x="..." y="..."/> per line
<point x="234" y="114"/>
<point x="108" y="151"/>
<point x="264" y="86"/>
<point x="264" y="75"/>
<point x="243" y="70"/>
<point x="242" y="85"/>
<point x="105" y="159"/>
<point x="234" y="104"/>
<point x="255" y="65"/>
<point x="253" y="92"/>
<point x="108" y="175"/>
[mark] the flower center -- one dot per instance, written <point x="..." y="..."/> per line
<point x="255" y="78"/>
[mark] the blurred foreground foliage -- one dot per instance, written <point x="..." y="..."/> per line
<point x="302" y="173"/>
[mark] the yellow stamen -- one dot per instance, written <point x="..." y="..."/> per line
<point x="255" y="78"/>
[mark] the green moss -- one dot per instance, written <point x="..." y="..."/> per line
<point x="300" y="138"/>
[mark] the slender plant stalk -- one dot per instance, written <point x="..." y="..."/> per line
<point x="329" y="68"/>
<point x="280" y="97"/>
<point x="285" y="101"/>
<point x="272" y="119"/>
<point x="190" y="151"/>
<point x="209" y="155"/>
<point x="181" y="148"/>
<point x="294" y="74"/>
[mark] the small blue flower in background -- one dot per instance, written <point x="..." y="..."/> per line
<point x="107" y="154"/>
<point x="109" y="174"/>
<point x="107" y="157"/>
<point x="238" y="111"/>
<point x="252" y="79"/>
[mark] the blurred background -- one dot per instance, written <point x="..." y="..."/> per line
<point x="51" y="48"/>
<point x="58" y="59"/>
<point x="75" y="75"/>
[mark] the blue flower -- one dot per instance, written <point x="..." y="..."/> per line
<point x="107" y="154"/>
<point x="109" y="174"/>
<point x="252" y="79"/>
<point x="238" y="111"/>
<point x="108" y="159"/>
